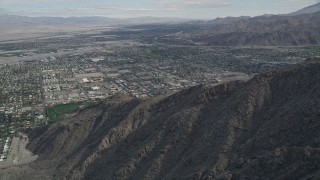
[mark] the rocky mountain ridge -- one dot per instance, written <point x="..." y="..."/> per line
<point x="276" y="30"/>
<point x="264" y="128"/>
<point x="308" y="10"/>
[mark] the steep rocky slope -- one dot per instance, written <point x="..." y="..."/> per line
<point x="308" y="10"/>
<point x="263" y="31"/>
<point x="266" y="128"/>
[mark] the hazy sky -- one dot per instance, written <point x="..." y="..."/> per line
<point x="198" y="9"/>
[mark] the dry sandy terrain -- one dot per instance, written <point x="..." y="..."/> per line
<point x="18" y="154"/>
<point x="24" y="33"/>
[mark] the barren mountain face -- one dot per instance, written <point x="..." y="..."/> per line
<point x="263" y="31"/>
<point x="267" y="128"/>
<point x="308" y="10"/>
<point x="235" y="125"/>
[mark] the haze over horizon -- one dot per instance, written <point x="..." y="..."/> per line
<point x="192" y="9"/>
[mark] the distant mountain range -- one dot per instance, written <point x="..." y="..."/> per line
<point x="299" y="28"/>
<point x="266" y="128"/>
<point x="308" y="10"/>
<point x="23" y="21"/>
<point x="11" y="20"/>
<point x="276" y="30"/>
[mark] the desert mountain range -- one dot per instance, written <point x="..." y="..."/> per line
<point x="265" y="128"/>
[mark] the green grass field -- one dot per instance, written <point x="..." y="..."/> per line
<point x="57" y="112"/>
